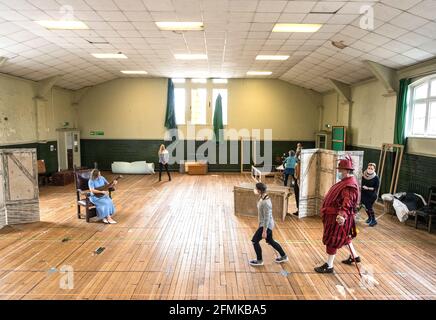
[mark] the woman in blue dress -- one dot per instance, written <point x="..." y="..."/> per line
<point x="104" y="205"/>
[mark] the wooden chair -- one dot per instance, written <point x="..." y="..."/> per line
<point x="429" y="211"/>
<point x="81" y="178"/>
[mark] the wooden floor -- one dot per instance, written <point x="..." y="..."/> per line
<point x="181" y="240"/>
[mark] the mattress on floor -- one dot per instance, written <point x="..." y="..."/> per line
<point x="137" y="167"/>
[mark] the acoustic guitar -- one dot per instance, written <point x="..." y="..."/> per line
<point x="107" y="186"/>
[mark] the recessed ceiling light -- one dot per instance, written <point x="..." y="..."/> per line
<point x="191" y="56"/>
<point x="134" y="72"/>
<point x="259" y="73"/>
<point x="271" y="57"/>
<point x="63" y="24"/>
<point x="180" y="26"/>
<point x="296" y="27"/>
<point x="109" y="55"/>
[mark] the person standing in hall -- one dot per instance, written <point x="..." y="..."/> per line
<point x="370" y="185"/>
<point x="164" y="158"/>
<point x="289" y="166"/>
<point x="297" y="182"/>
<point x="266" y="226"/>
<point x="337" y="212"/>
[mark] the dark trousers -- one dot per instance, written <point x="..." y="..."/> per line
<point x="257" y="237"/>
<point x="286" y="179"/>
<point x="297" y="193"/>
<point x="161" y="165"/>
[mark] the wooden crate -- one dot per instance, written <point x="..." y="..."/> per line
<point x="245" y="200"/>
<point x="20" y="185"/>
<point x="196" y="168"/>
<point x="63" y="178"/>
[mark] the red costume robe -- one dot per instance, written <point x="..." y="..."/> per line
<point x="342" y="199"/>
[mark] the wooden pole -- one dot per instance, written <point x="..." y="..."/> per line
<point x="399" y="168"/>
<point x="382" y="166"/>
<point x="394" y="170"/>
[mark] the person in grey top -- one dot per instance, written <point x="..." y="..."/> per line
<point x="164" y="158"/>
<point x="266" y="225"/>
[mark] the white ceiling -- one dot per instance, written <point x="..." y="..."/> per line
<point x="235" y="32"/>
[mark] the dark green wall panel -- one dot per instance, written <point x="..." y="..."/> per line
<point x="104" y="152"/>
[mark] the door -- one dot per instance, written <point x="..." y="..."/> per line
<point x="339" y="135"/>
<point x="76" y="148"/>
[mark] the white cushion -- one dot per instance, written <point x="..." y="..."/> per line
<point x="137" y="167"/>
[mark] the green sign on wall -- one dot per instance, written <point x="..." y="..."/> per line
<point x="97" y="133"/>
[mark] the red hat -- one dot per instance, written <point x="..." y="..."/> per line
<point x="346" y="163"/>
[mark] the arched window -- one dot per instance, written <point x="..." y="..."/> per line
<point x="421" y="121"/>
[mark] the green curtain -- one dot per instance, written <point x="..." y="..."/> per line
<point x="170" y="117"/>
<point x="401" y="112"/>
<point x="218" y="125"/>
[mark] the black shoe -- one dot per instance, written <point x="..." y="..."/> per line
<point x="350" y="260"/>
<point x="256" y="263"/>
<point x="373" y="222"/>
<point x="281" y="259"/>
<point x="295" y="213"/>
<point x="368" y="220"/>
<point x="324" y="269"/>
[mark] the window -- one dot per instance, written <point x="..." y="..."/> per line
<point x="223" y="93"/>
<point x="422" y="108"/>
<point x="198" y="105"/>
<point x="195" y="100"/>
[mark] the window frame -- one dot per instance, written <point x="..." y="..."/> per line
<point x="428" y="100"/>
<point x="188" y="85"/>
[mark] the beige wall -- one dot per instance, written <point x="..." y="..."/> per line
<point x="135" y="109"/>
<point x="18" y="105"/>
<point x="372" y="115"/>
<point x="335" y="111"/>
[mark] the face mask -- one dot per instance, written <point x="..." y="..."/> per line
<point x="340" y="175"/>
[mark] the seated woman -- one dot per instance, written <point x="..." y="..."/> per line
<point x="103" y="203"/>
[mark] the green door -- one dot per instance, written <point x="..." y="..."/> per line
<point x="339" y="135"/>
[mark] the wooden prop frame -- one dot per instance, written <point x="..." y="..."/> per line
<point x="399" y="151"/>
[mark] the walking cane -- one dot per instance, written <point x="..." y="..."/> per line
<point x="351" y="252"/>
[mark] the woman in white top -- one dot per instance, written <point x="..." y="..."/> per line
<point x="164" y="158"/>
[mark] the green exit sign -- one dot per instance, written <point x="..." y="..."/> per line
<point x="97" y="133"/>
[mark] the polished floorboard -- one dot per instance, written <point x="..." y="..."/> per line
<point x="181" y="240"/>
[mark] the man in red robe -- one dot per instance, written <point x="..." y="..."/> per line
<point x="337" y="212"/>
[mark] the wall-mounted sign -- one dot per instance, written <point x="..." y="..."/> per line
<point x="97" y="133"/>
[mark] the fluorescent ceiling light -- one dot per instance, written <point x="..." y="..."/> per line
<point x="63" y="24"/>
<point x="180" y="26"/>
<point x="190" y="56"/>
<point x="134" y="72"/>
<point x="199" y="80"/>
<point x="178" y="80"/>
<point x="296" y="27"/>
<point x="259" y="73"/>
<point x="271" y="57"/>
<point x="219" y="80"/>
<point x="109" y="55"/>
